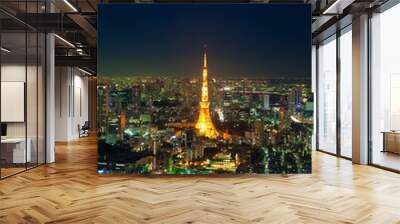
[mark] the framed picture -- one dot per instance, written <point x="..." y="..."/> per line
<point x="204" y="88"/>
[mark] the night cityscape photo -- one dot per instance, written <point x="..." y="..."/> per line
<point x="204" y="89"/>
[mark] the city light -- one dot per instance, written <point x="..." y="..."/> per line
<point x="166" y="107"/>
<point x="172" y="125"/>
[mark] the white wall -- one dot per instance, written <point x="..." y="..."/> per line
<point x="71" y="102"/>
<point x="12" y="73"/>
<point x="16" y="73"/>
<point x="62" y="82"/>
<point x="33" y="127"/>
<point x="80" y="110"/>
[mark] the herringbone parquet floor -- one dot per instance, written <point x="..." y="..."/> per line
<point x="70" y="191"/>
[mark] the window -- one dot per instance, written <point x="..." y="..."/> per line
<point x="22" y="98"/>
<point x="385" y="88"/>
<point x="346" y="93"/>
<point x="327" y="95"/>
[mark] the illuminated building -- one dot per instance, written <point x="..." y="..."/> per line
<point x="122" y="121"/>
<point x="266" y="102"/>
<point x="258" y="132"/>
<point x="204" y="124"/>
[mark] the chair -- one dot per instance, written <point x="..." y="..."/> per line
<point x="84" y="130"/>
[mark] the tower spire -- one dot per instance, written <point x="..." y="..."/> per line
<point x="205" y="56"/>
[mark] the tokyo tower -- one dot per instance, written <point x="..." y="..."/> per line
<point x="204" y="124"/>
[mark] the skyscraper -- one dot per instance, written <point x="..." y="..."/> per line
<point x="204" y="124"/>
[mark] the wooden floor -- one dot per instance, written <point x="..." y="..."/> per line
<point x="5" y="172"/>
<point x="70" y="191"/>
<point x="387" y="159"/>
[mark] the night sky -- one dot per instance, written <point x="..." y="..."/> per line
<point x="243" y="40"/>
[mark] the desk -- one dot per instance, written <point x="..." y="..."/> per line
<point x="13" y="150"/>
<point x="391" y="141"/>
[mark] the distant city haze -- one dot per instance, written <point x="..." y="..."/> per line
<point x="254" y="41"/>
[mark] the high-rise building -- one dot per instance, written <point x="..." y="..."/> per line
<point x="258" y="132"/>
<point x="266" y="102"/>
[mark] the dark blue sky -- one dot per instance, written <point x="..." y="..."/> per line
<point x="244" y="40"/>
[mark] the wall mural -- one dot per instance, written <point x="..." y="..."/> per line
<point x="204" y="89"/>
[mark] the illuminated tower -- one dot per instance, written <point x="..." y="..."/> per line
<point x="204" y="124"/>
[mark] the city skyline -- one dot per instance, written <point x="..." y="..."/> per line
<point x="167" y="126"/>
<point x="168" y="39"/>
<point x="233" y="112"/>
